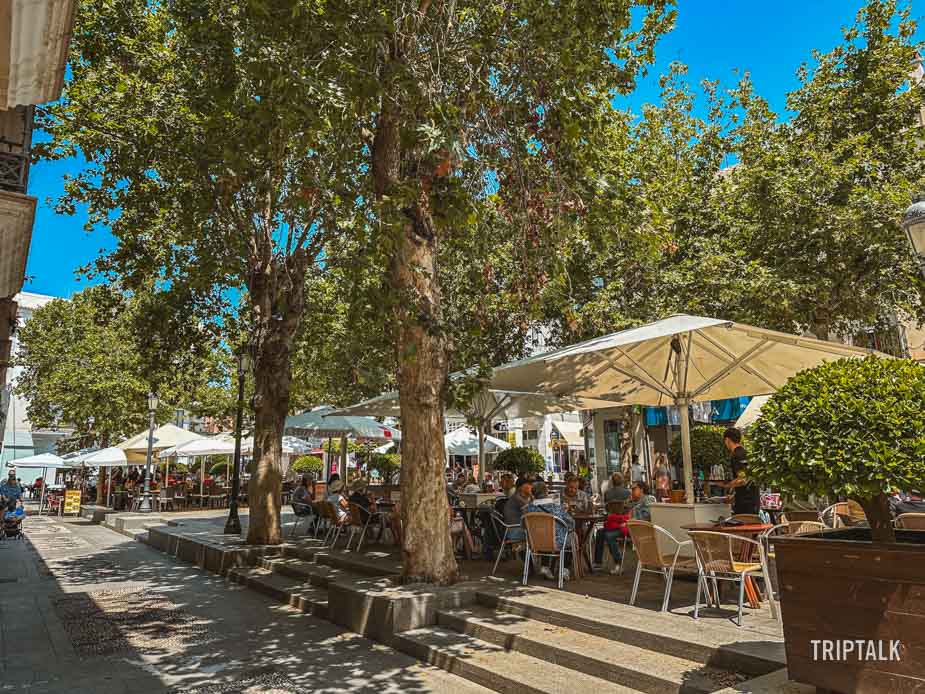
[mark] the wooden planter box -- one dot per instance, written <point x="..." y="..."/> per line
<point x="838" y="586"/>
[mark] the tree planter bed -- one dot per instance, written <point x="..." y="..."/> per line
<point x="839" y="586"/>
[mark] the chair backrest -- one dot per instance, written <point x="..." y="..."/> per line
<point x="645" y="542"/>
<point x="805" y="527"/>
<point x="911" y="521"/>
<point x="714" y="550"/>
<point x="842" y="514"/>
<point x="796" y="516"/>
<point x="747" y="518"/>
<point x="541" y="532"/>
<point x="179" y="491"/>
<point x="327" y="510"/>
<point x="358" y="515"/>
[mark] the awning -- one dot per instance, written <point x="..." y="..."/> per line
<point x="752" y="412"/>
<point x="571" y="433"/>
<point x="464" y="442"/>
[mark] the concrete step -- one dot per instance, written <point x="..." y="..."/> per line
<point x="289" y="591"/>
<point x="366" y="563"/>
<point x="317" y="574"/>
<point x="495" y="667"/>
<point x="620" y="663"/>
<point x="726" y="648"/>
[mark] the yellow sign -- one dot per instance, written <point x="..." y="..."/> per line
<point x="72" y="501"/>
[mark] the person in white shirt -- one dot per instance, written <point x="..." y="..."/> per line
<point x="337" y="499"/>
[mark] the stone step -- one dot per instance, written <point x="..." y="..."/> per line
<point x="620" y="663"/>
<point x="495" y="667"/>
<point x="290" y="591"/>
<point x="727" y="648"/>
<point x="366" y="563"/>
<point x="299" y="569"/>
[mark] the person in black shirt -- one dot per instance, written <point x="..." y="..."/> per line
<point x="744" y="495"/>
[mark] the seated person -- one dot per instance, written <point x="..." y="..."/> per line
<point x="642" y="502"/>
<point x="460" y="531"/>
<point x="507" y="484"/>
<point x="614" y="530"/>
<point x="302" y="498"/>
<point x="472" y="487"/>
<point x="362" y="498"/>
<point x="514" y="508"/>
<point x="542" y="503"/>
<point x="574" y="500"/>
<point x="907" y="503"/>
<point x="617" y="490"/>
<point x="336" y="499"/>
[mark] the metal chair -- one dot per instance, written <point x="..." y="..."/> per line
<point x="910" y="521"/>
<point x="335" y="523"/>
<point x="649" y="556"/>
<point x="498" y="521"/>
<point x="303" y="512"/>
<point x="843" y="514"/>
<point x="798" y="516"/>
<point x="719" y="558"/>
<point x="540" y="529"/>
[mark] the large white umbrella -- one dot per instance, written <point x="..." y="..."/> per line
<point x="676" y="361"/>
<point x="752" y="411"/>
<point x="108" y="458"/>
<point x="463" y="442"/>
<point x="44" y="462"/>
<point x="202" y="447"/>
<point x="487" y="405"/>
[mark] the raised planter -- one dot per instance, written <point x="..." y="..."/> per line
<point x="838" y="587"/>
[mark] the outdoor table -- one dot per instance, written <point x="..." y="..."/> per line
<point x="584" y="527"/>
<point x="751" y="530"/>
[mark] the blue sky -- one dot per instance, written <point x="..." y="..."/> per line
<point x="715" y="38"/>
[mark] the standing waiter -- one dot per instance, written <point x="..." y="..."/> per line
<point x="744" y="492"/>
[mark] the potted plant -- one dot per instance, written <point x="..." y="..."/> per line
<point x="308" y="464"/>
<point x="520" y="461"/>
<point x="853" y="429"/>
<point x="387" y="465"/>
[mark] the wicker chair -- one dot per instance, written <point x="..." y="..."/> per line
<point x="797" y="516"/>
<point x="645" y="537"/>
<point x="360" y="520"/>
<point x="747" y="518"/>
<point x="911" y="521"/>
<point x="498" y="521"/>
<point x="843" y="514"/>
<point x="334" y="522"/>
<point x="540" y="528"/>
<point x="719" y="559"/>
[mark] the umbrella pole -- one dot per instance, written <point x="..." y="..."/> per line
<point x="44" y="487"/>
<point x="330" y="458"/>
<point x="109" y="489"/>
<point x="343" y="459"/>
<point x="481" y="450"/>
<point x="686" y="450"/>
<point x="202" y="479"/>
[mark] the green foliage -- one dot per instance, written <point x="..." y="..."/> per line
<point x="308" y="464"/>
<point x="801" y="234"/>
<point x="86" y="358"/>
<point x="707" y="448"/>
<point x="520" y="461"/>
<point x="386" y="463"/>
<point x="222" y="467"/>
<point x="851" y="428"/>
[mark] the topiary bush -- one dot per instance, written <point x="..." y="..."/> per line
<point x="707" y="448"/>
<point x="308" y="464"/>
<point x="853" y="428"/>
<point x="520" y="461"/>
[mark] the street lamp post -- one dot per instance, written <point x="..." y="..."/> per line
<point x="914" y="225"/>
<point x="233" y="524"/>
<point x="146" y="506"/>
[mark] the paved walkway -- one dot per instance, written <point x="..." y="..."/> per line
<point x="85" y="609"/>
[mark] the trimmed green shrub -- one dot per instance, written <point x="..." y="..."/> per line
<point x="707" y="448"/>
<point x="852" y="428"/>
<point x="222" y="468"/>
<point x="520" y="461"/>
<point x="306" y="464"/>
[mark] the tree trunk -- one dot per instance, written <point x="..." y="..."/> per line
<point x="878" y="515"/>
<point x="421" y="355"/>
<point x="277" y="297"/>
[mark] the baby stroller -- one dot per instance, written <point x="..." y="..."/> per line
<point x="12" y="528"/>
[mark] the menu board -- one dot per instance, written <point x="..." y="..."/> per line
<point x="72" y="501"/>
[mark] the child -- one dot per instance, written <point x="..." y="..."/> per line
<point x="612" y="533"/>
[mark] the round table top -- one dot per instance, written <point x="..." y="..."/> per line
<point x="746" y="528"/>
<point x="585" y="516"/>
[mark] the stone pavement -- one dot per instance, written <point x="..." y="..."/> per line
<point x="85" y="609"/>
